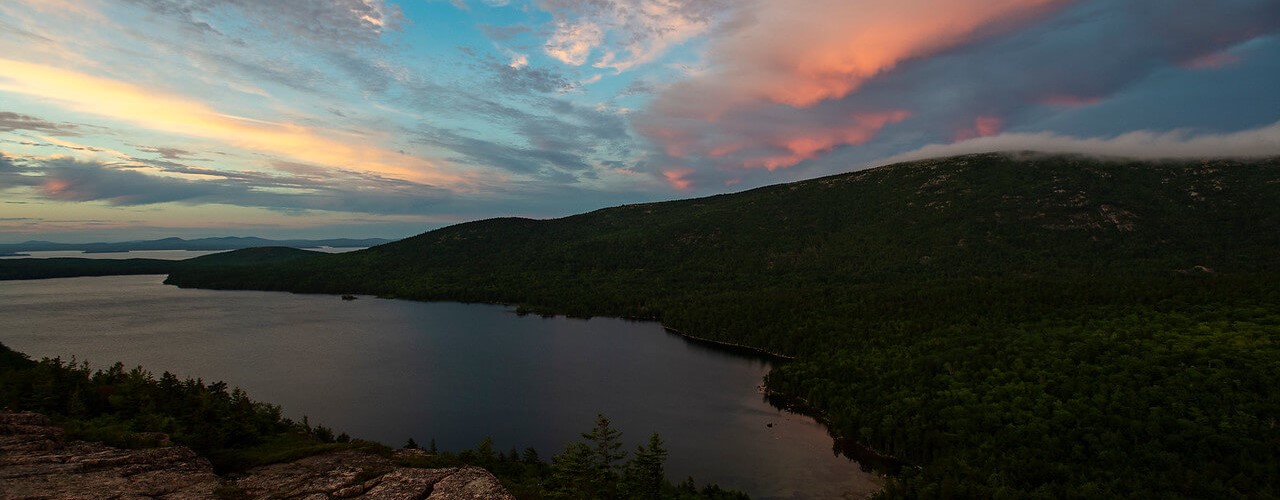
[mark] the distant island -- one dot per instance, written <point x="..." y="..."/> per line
<point x="217" y="243"/>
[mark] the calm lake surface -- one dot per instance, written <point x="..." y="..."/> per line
<point x="389" y="370"/>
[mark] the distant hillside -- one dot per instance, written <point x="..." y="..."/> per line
<point x="26" y="269"/>
<point x="1014" y="325"/>
<point x="979" y="216"/>
<point x="30" y="269"/>
<point x="249" y="257"/>
<point x="221" y="243"/>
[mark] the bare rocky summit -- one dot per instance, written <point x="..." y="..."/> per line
<point x="37" y="463"/>
<point x="353" y="474"/>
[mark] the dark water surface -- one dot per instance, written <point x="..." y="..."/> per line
<point x="389" y="370"/>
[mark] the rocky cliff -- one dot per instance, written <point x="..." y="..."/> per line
<point x="37" y="463"/>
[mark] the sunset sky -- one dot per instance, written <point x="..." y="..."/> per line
<point x="138" y="119"/>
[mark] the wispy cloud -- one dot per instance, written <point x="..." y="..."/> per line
<point x="624" y="34"/>
<point x="336" y="22"/>
<point x="167" y="153"/>
<point x="184" y="116"/>
<point x="573" y="42"/>
<point x="301" y="187"/>
<point x="10" y="122"/>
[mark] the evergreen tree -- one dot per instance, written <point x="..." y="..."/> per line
<point x="411" y="445"/>
<point x="606" y="443"/>
<point x="645" y="471"/>
<point x="531" y="456"/>
<point x="573" y="473"/>
<point x="484" y="453"/>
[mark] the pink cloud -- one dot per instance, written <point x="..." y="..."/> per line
<point x="55" y="188"/>
<point x="572" y="43"/>
<point x="677" y="178"/>
<point x="754" y="141"/>
<point x="793" y="148"/>
<point x="674" y="141"/>
<point x="777" y="75"/>
<point x="983" y="126"/>
<point x="1214" y="60"/>
<point x="799" y="53"/>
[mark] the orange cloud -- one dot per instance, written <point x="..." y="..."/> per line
<point x="983" y="126"/>
<point x="752" y="142"/>
<point x="53" y="188"/>
<point x="800" y="53"/>
<point x="808" y="145"/>
<point x="676" y="143"/>
<point x="175" y="114"/>
<point x="677" y="178"/>
<point x="760" y="102"/>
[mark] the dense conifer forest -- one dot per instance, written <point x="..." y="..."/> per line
<point x="1008" y="325"/>
<point x="67" y="267"/>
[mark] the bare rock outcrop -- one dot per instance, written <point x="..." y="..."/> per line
<point x="353" y="474"/>
<point x="36" y="463"/>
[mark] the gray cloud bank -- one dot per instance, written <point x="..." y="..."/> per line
<point x="1261" y="142"/>
<point x="10" y="121"/>
<point x="304" y="188"/>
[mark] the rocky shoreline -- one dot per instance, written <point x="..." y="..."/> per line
<point x="37" y="463"/>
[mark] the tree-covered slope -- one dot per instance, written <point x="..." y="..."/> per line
<point x="1015" y="325"/>
<point x="69" y="267"/>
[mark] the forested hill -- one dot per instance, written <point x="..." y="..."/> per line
<point x="966" y="218"/>
<point x="67" y="267"/>
<point x="1015" y="324"/>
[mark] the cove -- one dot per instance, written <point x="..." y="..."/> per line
<point x="389" y="370"/>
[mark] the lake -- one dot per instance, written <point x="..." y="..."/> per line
<point x="389" y="370"/>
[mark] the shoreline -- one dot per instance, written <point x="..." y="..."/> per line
<point x="728" y="345"/>
<point x="868" y="458"/>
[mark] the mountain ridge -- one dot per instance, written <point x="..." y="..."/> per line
<point x="1055" y="215"/>
<point x="1015" y="325"/>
